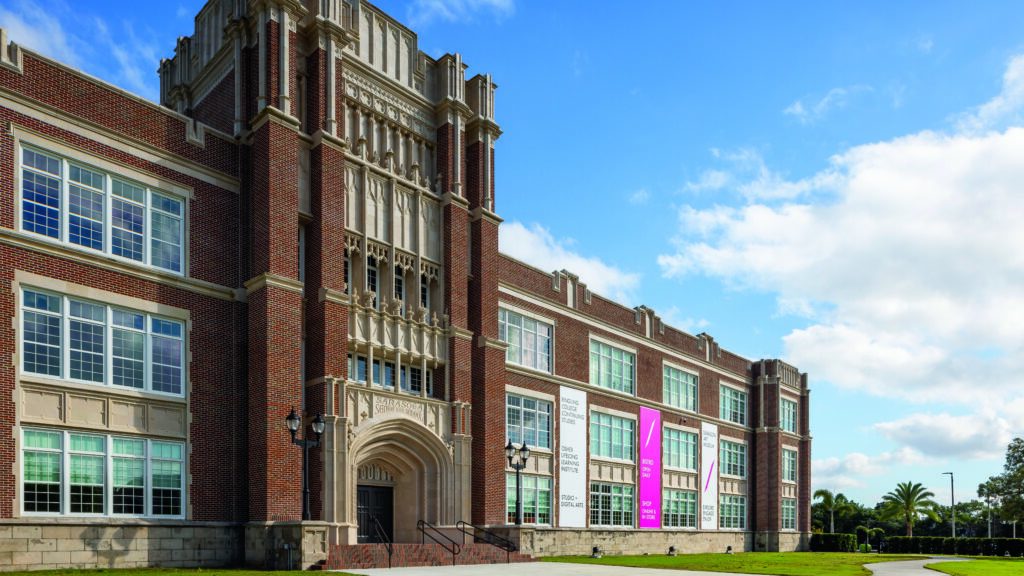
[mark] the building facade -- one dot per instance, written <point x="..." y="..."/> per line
<point x="308" y="219"/>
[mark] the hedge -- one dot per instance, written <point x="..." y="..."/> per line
<point x="833" y="543"/>
<point x="958" y="546"/>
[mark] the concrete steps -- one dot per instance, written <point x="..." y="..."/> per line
<point x="405" y="555"/>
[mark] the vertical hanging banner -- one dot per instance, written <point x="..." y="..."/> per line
<point x="708" y="476"/>
<point x="649" y="494"/>
<point x="572" y="458"/>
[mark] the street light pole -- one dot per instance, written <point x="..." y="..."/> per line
<point x="524" y="454"/>
<point x="293" y="421"/>
<point x="952" y="503"/>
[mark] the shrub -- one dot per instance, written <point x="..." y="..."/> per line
<point x="833" y="542"/>
<point x="865" y="548"/>
<point x="949" y="545"/>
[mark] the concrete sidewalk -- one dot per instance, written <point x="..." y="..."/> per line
<point x="910" y="567"/>
<point x="531" y="569"/>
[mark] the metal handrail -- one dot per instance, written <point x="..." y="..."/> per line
<point x="422" y="526"/>
<point x="383" y="538"/>
<point x="491" y="538"/>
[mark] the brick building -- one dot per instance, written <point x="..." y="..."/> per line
<point x="309" y="219"/>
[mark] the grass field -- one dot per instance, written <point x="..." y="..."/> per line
<point x="781" y="564"/>
<point x="981" y="567"/>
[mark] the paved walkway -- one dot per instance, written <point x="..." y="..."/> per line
<point x="903" y="568"/>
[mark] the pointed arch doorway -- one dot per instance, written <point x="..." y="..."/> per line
<point x="375" y="504"/>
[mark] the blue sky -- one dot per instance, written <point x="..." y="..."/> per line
<point x="832" y="183"/>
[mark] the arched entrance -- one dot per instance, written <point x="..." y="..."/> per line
<point x="401" y="468"/>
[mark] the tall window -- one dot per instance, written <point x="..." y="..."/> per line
<point x="732" y="405"/>
<point x="611" y="504"/>
<point x="424" y="291"/>
<point x="74" y="339"/>
<point x="371" y="281"/>
<point x="536" y="499"/>
<point x="74" y="204"/>
<point x="66" y="473"/>
<point x="788" y="514"/>
<point x="529" y="341"/>
<point x="680" y="449"/>
<point x="732" y="512"/>
<point x="679" y="509"/>
<point x="348" y="272"/>
<point x="611" y="436"/>
<point x="357" y="367"/>
<point x="400" y="287"/>
<point x="611" y="367"/>
<point x="787" y="415"/>
<point x="789" y="465"/>
<point x="733" y="458"/>
<point x="528" y="420"/>
<point x="680" y="388"/>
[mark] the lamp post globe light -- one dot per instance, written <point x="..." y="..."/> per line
<point x="524" y="454"/>
<point x="293" y="422"/>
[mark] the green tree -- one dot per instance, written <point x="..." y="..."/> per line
<point x="868" y="533"/>
<point x="833" y="504"/>
<point x="909" y="501"/>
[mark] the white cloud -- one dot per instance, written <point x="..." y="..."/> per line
<point x="536" y="246"/>
<point x="422" y="13"/>
<point x="41" y="30"/>
<point x="747" y="173"/>
<point x="971" y="437"/>
<point x="834" y="98"/>
<point x="850" y="471"/>
<point x="673" y="317"/>
<point x="904" y="256"/>
<point x="925" y="44"/>
<point x="639" y="197"/>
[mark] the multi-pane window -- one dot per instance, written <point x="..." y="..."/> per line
<point x="400" y="287"/>
<point x="732" y="512"/>
<point x="680" y="449"/>
<point x="371" y="281"/>
<point x="357" y="367"/>
<point x="68" y="473"/>
<point x="536" y="499"/>
<point x="412" y="380"/>
<point x="787" y="415"/>
<point x="733" y="458"/>
<point x="611" y="504"/>
<point x="85" y="207"/>
<point x="611" y="436"/>
<point x="528" y="420"/>
<point x="529" y="341"/>
<point x="680" y="388"/>
<point x="732" y="405"/>
<point x="74" y="339"/>
<point x="788" y="514"/>
<point x="424" y="291"/>
<point x="611" y="367"/>
<point x="679" y="509"/>
<point x="348" y="272"/>
<point x="789" y="465"/>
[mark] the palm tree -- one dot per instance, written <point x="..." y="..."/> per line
<point x="868" y="533"/>
<point x="834" y="503"/>
<point x="910" y="501"/>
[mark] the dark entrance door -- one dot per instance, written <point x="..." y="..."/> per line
<point x="374" y="502"/>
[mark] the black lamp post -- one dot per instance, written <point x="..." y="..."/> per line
<point x="293" y="421"/>
<point x="524" y="454"/>
<point x="952" y="503"/>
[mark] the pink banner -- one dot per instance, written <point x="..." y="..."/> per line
<point x="649" y="494"/>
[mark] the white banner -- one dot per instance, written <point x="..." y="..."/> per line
<point x="708" y="476"/>
<point x="572" y="458"/>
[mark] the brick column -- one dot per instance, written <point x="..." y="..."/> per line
<point x="803" y="505"/>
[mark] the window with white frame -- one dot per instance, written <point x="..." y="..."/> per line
<point x="733" y="458"/>
<point x="680" y="388"/>
<point x="611" y="436"/>
<point x="787" y="415"/>
<point x="424" y="291"/>
<point x="789" y="465"/>
<point x="528" y="420"/>
<point x="679" y="509"/>
<point x="536" y="499"/>
<point x="81" y="474"/>
<point x="680" y="449"/>
<point x="372" y="280"/>
<point x="611" y="367"/>
<point x="413" y="380"/>
<point x="400" y="287"/>
<point x="732" y="405"/>
<point x="357" y="367"/>
<point x="611" y="504"/>
<point x="732" y="512"/>
<point x="75" y="204"/>
<point x="75" y="339"/>
<point x="788" y="514"/>
<point x="529" y="340"/>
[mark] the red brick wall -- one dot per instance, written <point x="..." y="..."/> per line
<point x="217" y="109"/>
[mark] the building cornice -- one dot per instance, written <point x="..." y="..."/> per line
<point x="268" y="279"/>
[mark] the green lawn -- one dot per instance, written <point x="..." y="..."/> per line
<point x="782" y="564"/>
<point x="981" y="567"/>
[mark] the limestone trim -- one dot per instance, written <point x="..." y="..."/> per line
<point x="612" y="412"/>
<point x="614" y="344"/>
<point x="735" y="386"/>
<point x="614" y="471"/>
<point x="10" y="55"/>
<point x="366" y="86"/>
<point x="528" y="313"/>
<point x="461" y="333"/>
<point x="681" y="428"/>
<point x="330" y="140"/>
<point x="479" y="213"/>
<point x="96" y="294"/>
<point x="454" y="199"/>
<point x="558" y="308"/>
<point x="271" y="113"/>
<point x="328" y="295"/>
<point x="607" y="392"/>
<point x="681" y="368"/>
<point x="107" y="137"/>
<point x="509" y="388"/>
<point x="492" y="343"/>
<point x="267" y="279"/>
